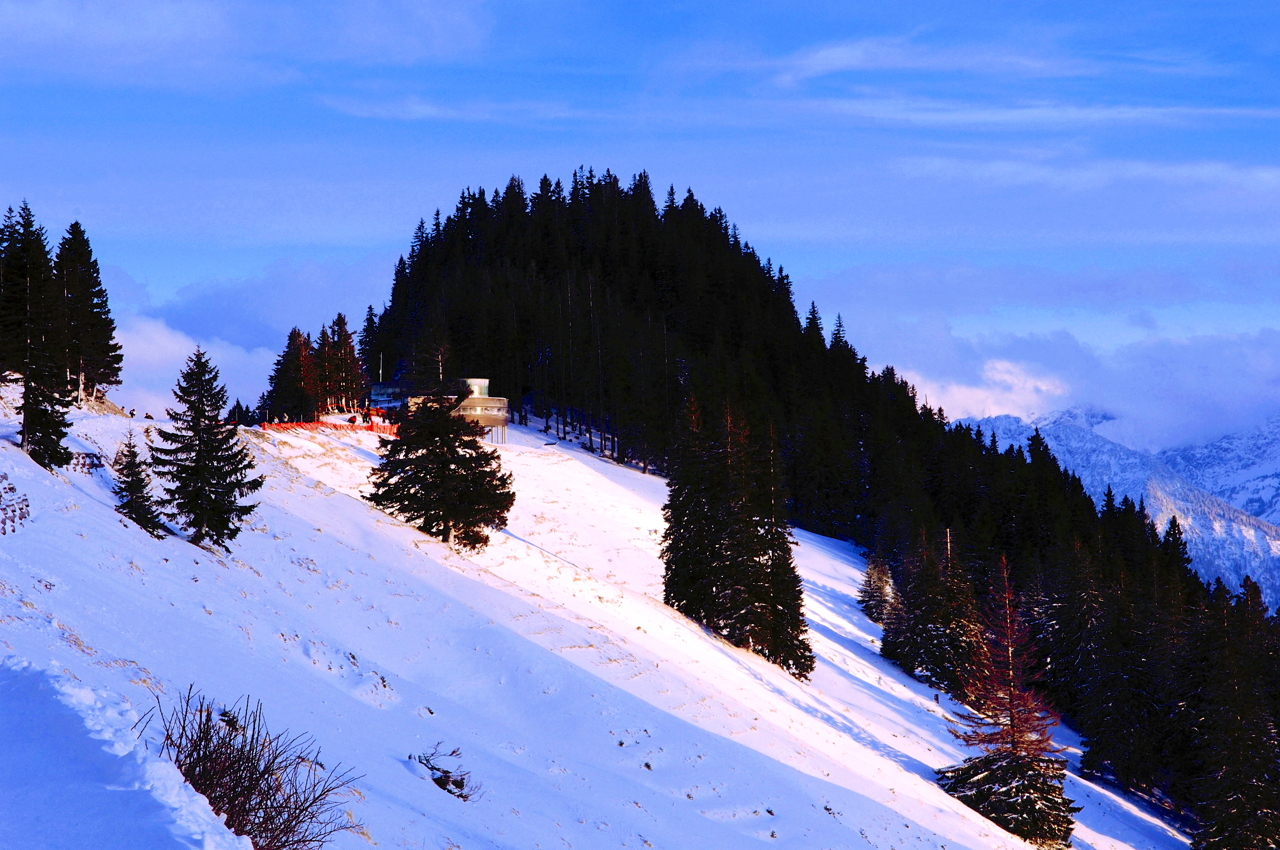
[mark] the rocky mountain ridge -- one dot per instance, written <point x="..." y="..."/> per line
<point x="1224" y="538"/>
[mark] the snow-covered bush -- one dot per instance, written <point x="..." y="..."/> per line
<point x="272" y="788"/>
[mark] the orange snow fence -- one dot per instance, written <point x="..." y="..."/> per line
<point x="376" y="428"/>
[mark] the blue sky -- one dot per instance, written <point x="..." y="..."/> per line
<point x="1023" y="206"/>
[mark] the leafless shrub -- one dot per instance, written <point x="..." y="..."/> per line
<point x="456" y="782"/>
<point x="272" y="788"/>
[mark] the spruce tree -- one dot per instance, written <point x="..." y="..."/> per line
<point x="1017" y="781"/>
<point x="93" y="355"/>
<point x="13" y="299"/>
<point x="322" y="359"/>
<point x="742" y="596"/>
<point x="205" y="462"/>
<point x="788" y="645"/>
<point x="292" y="393"/>
<point x="241" y="415"/>
<point x="695" y="515"/>
<point x="876" y="590"/>
<point x="1174" y="548"/>
<point x="436" y="476"/>
<point x="727" y="546"/>
<point x="346" y="377"/>
<point x="46" y="392"/>
<point x="1239" y="805"/>
<point x="368" y="344"/>
<point x="133" y="489"/>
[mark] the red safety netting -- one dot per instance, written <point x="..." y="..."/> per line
<point x="376" y="428"/>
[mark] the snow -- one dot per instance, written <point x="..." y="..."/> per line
<point x="63" y="788"/>
<point x="593" y="715"/>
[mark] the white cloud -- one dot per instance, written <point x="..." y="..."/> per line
<point x="902" y="54"/>
<point x="155" y="353"/>
<point x="931" y="112"/>
<point x="74" y="33"/>
<point x="1006" y="387"/>
<point x="409" y="108"/>
<point x="1256" y="179"/>
<point x="171" y="42"/>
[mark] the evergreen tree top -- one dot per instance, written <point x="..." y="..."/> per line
<point x="205" y="462"/>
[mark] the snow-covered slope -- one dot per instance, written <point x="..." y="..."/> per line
<point x="1224" y="541"/>
<point x="594" y="716"/>
<point x="1243" y="469"/>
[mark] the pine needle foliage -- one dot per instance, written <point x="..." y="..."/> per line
<point x="727" y="546"/>
<point x="1239" y="807"/>
<point x="205" y="462"/>
<point x="94" y="357"/>
<point x="876" y="591"/>
<point x="1017" y="781"/>
<point x="41" y="346"/>
<point x="436" y="475"/>
<point x="56" y="330"/>
<point x="133" y="489"/>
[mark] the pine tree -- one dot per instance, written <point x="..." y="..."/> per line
<point x="205" y="462"/>
<point x="94" y="357"/>
<point x="325" y="380"/>
<point x="695" y="516"/>
<point x="1239" y="806"/>
<point x="46" y="392"/>
<point x="788" y="646"/>
<point x="292" y="393"/>
<point x="876" y="590"/>
<point x="241" y="415"/>
<point x="368" y="344"/>
<point x="346" y="377"/>
<point x="133" y="489"/>
<point x="436" y="476"/>
<point x="727" y="547"/>
<point x="1017" y="781"/>
<point x="13" y="298"/>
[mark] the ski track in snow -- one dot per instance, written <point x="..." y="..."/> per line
<point x="594" y="716"/>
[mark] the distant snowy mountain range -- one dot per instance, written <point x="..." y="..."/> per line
<point x="1226" y="494"/>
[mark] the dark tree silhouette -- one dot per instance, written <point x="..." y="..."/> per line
<point x="206" y="464"/>
<point x="876" y="591"/>
<point x="93" y="355"/>
<point x="1017" y="781"/>
<point x="133" y="489"/>
<point x="42" y="341"/>
<point x="293" y="389"/>
<point x="437" y="476"/>
<point x="727" y="546"/>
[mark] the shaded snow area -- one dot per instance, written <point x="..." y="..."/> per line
<point x="1223" y="539"/>
<point x="593" y="716"/>
<point x="62" y="785"/>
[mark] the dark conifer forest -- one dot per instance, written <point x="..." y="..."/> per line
<point x="56" y="332"/>
<point x="601" y="314"/>
<point x="312" y="378"/>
